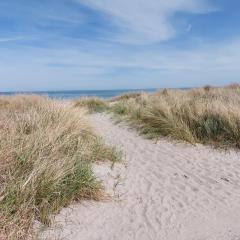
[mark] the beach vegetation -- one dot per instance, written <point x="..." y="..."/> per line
<point x="204" y="115"/>
<point x="92" y="104"/>
<point x="46" y="153"/>
<point x="126" y="96"/>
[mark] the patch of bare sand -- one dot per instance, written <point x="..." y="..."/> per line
<point x="162" y="191"/>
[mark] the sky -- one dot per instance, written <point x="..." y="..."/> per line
<point x="118" y="44"/>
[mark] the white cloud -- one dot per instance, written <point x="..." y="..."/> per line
<point x="107" y="67"/>
<point x="11" y="39"/>
<point x="142" y="21"/>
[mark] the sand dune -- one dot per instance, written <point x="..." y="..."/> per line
<point x="162" y="191"/>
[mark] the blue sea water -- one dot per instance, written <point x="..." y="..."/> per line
<point x="80" y="93"/>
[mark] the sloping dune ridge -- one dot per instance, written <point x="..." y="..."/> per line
<point x="161" y="191"/>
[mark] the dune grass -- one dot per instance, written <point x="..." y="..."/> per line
<point x="46" y="151"/>
<point x="92" y="104"/>
<point x="205" y="115"/>
<point x="126" y="96"/>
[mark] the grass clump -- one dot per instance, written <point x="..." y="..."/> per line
<point x="46" y="151"/>
<point x="206" y="115"/>
<point x="92" y="104"/>
<point x="126" y="96"/>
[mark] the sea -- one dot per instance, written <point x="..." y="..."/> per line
<point x="73" y="94"/>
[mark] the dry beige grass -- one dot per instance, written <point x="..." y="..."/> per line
<point x="92" y="104"/>
<point x="125" y="96"/>
<point x="206" y="115"/>
<point x="46" y="151"/>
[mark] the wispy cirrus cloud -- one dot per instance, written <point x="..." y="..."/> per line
<point x="11" y="39"/>
<point x="105" y="67"/>
<point x="38" y="20"/>
<point x="142" y="21"/>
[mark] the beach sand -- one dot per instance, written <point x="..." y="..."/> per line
<point x="161" y="191"/>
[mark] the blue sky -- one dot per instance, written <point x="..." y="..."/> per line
<point x="118" y="44"/>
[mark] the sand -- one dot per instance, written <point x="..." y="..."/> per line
<point x="161" y="191"/>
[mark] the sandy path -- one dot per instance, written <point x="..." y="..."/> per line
<point x="165" y="191"/>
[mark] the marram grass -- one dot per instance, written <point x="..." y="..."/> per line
<point x="46" y="151"/>
<point x="205" y="115"/>
<point x="92" y="104"/>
